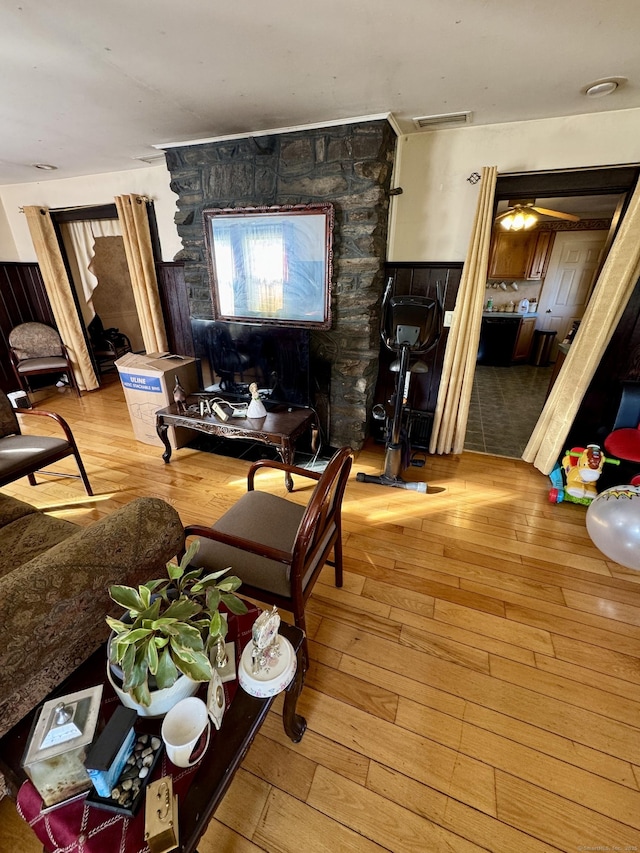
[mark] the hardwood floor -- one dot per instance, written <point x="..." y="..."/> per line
<point x="474" y="686"/>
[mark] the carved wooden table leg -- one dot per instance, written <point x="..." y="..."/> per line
<point x="294" y="724"/>
<point x="162" y="429"/>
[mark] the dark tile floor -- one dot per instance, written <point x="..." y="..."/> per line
<point x="505" y="405"/>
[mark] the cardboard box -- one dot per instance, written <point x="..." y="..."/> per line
<point x="148" y="382"/>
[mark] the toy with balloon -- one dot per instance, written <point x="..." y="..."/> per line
<point x="613" y="523"/>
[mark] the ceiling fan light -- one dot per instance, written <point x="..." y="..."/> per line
<point x="518" y="220"/>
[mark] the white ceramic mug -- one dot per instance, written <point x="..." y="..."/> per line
<point x="182" y="729"/>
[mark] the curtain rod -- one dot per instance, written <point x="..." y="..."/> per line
<point x="143" y="198"/>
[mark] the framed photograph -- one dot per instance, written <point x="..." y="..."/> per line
<point x="271" y="264"/>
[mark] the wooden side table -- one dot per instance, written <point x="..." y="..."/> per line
<point x="80" y="828"/>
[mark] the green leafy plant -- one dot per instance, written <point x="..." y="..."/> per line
<point x="172" y="627"/>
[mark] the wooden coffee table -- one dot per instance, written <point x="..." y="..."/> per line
<point x="280" y="428"/>
<point x="215" y="771"/>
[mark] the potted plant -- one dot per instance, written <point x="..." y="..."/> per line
<point x="166" y="637"/>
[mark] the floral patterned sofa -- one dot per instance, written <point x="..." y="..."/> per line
<point x="54" y="579"/>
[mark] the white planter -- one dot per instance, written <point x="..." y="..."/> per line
<point x="161" y="700"/>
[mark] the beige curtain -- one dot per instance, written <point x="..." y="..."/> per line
<point x="79" y="240"/>
<point x="452" y="408"/>
<point x="58" y="287"/>
<point x="612" y="291"/>
<point x="132" y="212"/>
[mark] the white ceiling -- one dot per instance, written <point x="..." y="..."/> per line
<point x="91" y="85"/>
<point x="586" y="207"/>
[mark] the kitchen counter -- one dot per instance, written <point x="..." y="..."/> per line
<point x="505" y="337"/>
<point x="508" y="315"/>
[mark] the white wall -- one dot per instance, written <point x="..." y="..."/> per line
<point x="152" y="181"/>
<point x="432" y="219"/>
<point x="8" y="251"/>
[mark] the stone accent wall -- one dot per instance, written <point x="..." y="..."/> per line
<point x="347" y="165"/>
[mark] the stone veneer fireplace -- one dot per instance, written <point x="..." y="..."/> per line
<point x="348" y="165"/>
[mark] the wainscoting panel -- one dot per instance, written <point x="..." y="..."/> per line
<point x="23" y="299"/>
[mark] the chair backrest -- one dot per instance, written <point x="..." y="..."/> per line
<point x="322" y="514"/>
<point x="35" y="340"/>
<point x="8" y="421"/>
<point x="629" y="410"/>
<point x="95" y="330"/>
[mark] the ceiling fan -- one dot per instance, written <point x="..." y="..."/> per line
<point x="521" y="214"/>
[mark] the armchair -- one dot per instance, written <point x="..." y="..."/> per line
<point x="37" y="349"/>
<point x="23" y="455"/>
<point x="276" y="546"/>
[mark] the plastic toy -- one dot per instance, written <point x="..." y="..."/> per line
<point x="575" y="479"/>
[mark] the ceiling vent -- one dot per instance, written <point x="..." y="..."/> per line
<point x="444" y="120"/>
<point x="153" y="159"/>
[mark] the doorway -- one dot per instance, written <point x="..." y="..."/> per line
<point x="92" y="247"/>
<point x="506" y="401"/>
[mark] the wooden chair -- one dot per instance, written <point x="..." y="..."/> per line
<point x="106" y="344"/>
<point x="37" y="349"/>
<point x="23" y="455"/>
<point x="276" y="546"/>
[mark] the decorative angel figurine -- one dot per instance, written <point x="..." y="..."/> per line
<point x="256" y="407"/>
<point x="264" y="634"/>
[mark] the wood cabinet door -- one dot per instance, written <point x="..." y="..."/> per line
<point x="510" y="254"/>
<point x="540" y="255"/>
<point x="524" y="341"/>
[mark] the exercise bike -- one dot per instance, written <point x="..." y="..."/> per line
<point x="410" y="328"/>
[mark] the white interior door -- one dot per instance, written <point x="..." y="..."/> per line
<point x="573" y="265"/>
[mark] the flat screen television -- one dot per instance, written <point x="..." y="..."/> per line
<point x="234" y="355"/>
<point x="271" y="265"/>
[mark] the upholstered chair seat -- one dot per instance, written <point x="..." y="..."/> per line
<point x="274" y="522"/>
<point x="37" y="365"/>
<point x="16" y="451"/>
<point x="624" y="444"/>
<point x="23" y="455"/>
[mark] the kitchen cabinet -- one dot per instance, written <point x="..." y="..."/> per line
<point x="519" y="254"/>
<point x="539" y="259"/>
<point x="510" y="254"/>
<point x="524" y="340"/>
